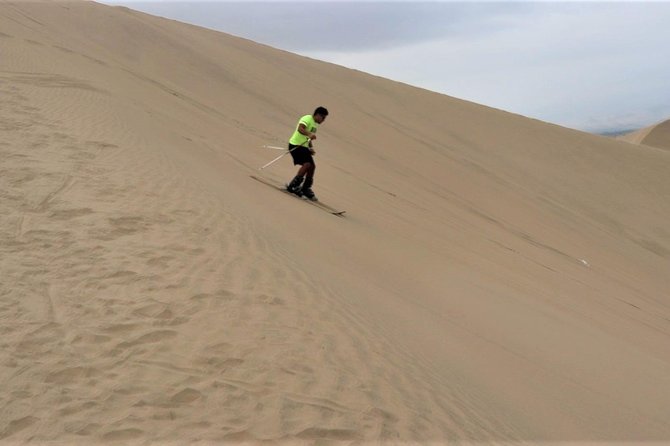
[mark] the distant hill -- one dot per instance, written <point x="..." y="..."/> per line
<point x="657" y="135"/>
<point x="615" y="133"/>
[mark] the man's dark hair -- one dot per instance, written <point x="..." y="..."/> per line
<point x="323" y="111"/>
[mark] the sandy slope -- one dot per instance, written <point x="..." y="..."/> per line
<point x="497" y="279"/>
<point x="657" y="135"/>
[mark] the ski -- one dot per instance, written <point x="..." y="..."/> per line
<point x="281" y="188"/>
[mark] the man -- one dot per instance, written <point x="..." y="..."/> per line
<point x="305" y="133"/>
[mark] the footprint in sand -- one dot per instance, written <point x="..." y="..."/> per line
<point x="68" y="214"/>
<point x="155" y="310"/>
<point x="18" y="425"/>
<point x="186" y="396"/>
<point x="122" y="435"/>
<point x="71" y="375"/>
<point x="315" y="433"/>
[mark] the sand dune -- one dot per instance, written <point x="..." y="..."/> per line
<point x="657" y="135"/>
<point x="496" y="279"/>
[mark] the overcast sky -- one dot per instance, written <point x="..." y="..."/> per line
<point x="592" y="66"/>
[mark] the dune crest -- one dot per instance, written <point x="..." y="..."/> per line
<point x="657" y="135"/>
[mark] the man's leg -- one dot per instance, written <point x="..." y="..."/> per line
<point x="294" y="185"/>
<point x="306" y="169"/>
<point x="309" y="180"/>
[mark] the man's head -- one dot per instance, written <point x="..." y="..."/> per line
<point x="320" y="114"/>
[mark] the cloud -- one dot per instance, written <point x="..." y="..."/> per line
<point x="571" y="64"/>
<point x="329" y="26"/>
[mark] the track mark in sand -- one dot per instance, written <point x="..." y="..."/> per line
<point x="242" y="436"/>
<point x="320" y="403"/>
<point x="51" y="310"/>
<point x="170" y="367"/>
<point x="150" y="338"/>
<point x="63" y="49"/>
<point x="18" y="232"/>
<point x="240" y="385"/>
<point x="316" y="433"/>
<point x="68" y="182"/>
<point x="48" y="80"/>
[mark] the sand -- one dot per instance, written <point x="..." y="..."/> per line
<point x="496" y="279"/>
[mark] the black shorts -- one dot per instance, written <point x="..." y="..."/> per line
<point x="301" y="155"/>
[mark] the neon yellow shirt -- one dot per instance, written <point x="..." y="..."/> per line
<point x="298" y="139"/>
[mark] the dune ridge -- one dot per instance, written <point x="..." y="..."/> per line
<point x="657" y="135"/>
<point x="496" y="280"/>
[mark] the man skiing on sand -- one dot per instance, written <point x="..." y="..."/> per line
<point x="305" y="133"/>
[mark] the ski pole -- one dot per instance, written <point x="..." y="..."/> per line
<point x="279" y="157"/>
<point x="274" y="147"/>
<point x="275" y="160"/>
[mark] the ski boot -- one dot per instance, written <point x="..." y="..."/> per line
<point x="307" y="189"/>
<point x="294" y="186"/>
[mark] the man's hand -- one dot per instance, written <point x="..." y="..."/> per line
<point x="312" y="151"/>
<point x="302" y="129"/>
